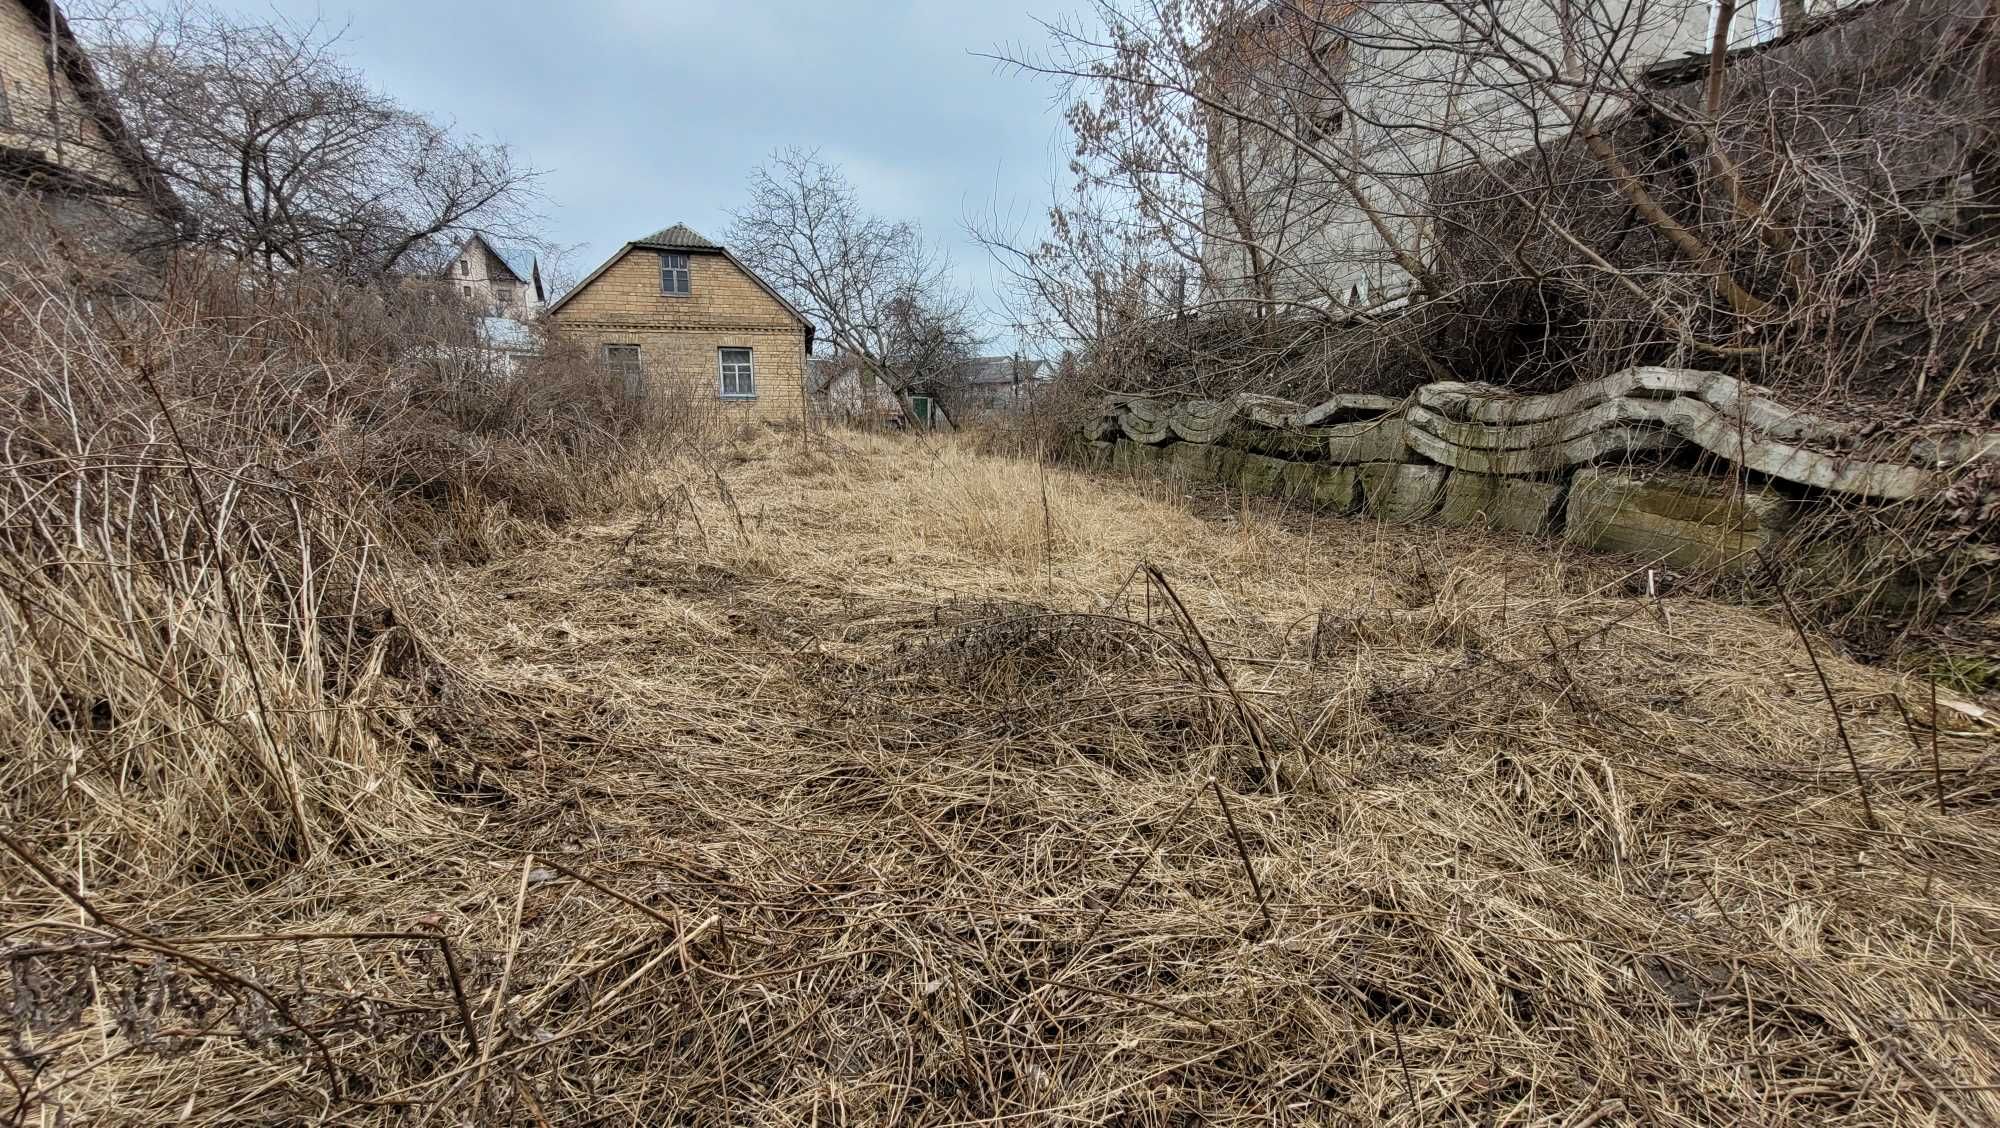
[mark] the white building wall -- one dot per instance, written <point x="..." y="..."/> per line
<point x="1429" y="86"/>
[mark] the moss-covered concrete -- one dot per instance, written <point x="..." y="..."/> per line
<point x="1518" y="504"/>
<point x="1322" y="485"/>
<point x="1401" y="492"/>
<point x="1260" y="475"/>
<point x="1688" y="521"/>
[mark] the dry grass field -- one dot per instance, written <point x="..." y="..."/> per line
<point x="893" y="782"/>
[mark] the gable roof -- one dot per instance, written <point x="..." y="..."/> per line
<point x="1001" y="370"/>
<point x="147" y="177"/>
<point x="518" y="263"/>
<point x="681" y="237"/>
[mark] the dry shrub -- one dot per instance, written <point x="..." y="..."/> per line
<point x="215" y="490"/>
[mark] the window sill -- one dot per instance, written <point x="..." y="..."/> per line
<point x="741" y="399"/>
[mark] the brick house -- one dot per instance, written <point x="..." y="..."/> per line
<point x="677" y="318"/>
<point x="506" y="282"/>
<point x="63" y="142"/>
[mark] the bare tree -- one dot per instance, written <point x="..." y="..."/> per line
<point x="931" y="348"/>
<point x="288" y="158"/>
<point x="1529" y="191"/>
<point x="878" y="289"/>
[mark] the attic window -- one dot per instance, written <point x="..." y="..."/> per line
<point x="675" y="278"/>
<point x="464" y="267"/>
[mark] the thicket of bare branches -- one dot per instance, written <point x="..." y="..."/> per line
<point x="1370" y="196"/>
<point x="883" y="296"/>
<point x="288" y="157"/>
<point x="207" y="498"/>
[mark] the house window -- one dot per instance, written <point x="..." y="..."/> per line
<point x="628" y="370"/>
<point x="467" y="290"/>
<point x="6" y="109"/>
<point x="465" y="268"/>
<point x="675" y="278"/>
<point x="739" y="376"/>
<point x="503" y="295"/>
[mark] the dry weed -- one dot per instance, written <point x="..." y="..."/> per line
<point x="862" y="786"/>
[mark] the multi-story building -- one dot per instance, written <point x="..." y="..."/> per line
<point x="1329" y="120"/>
<point x="505" y="282"/>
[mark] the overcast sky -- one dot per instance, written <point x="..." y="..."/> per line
<point x="652" y="112"/>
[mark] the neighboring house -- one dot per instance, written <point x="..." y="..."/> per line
<point x="62" y="141"/>
<point x="506" y="281"/>
<point x="1001" y="383"/>
<point x="845" y="389"/>
<point x="508" y="343"/>
<point x="678" y="319"/>
<point x="1384" y="97"/>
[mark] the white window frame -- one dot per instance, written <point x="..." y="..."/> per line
<point x="683" y="273"/>
<point x="746" y="370"/>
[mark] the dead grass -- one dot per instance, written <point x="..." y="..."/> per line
<point x="887" y="784"/>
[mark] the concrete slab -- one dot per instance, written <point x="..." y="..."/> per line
<point x="1684" y="520"/>
<point x="1260" y="475"/>
<point x="1321" y="485"/>
<point x="1520" y="504"/>
<point x="1377" y="440"/>
<point x="1401" y="492"/>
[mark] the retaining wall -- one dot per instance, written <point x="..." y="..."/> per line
<point x="1691" y="471"/>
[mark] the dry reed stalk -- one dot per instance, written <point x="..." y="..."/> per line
<point x="1826" y="686"/>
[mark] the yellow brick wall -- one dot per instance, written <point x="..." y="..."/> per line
<point x="25" y="72"/>
<point x="679" y="337"/>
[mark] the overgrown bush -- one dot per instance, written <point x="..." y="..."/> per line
<point x="214" y="482"/>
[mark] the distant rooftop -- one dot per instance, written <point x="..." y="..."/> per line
<point x="1001" y="370"/>
<point x="508" y="334"/>
<point x="519" y="261"/>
